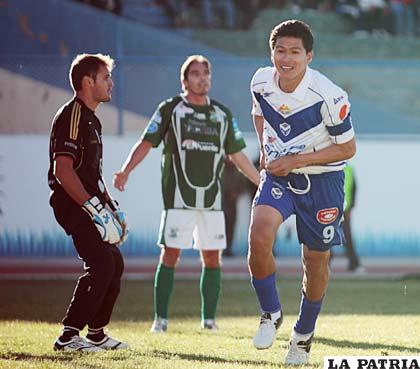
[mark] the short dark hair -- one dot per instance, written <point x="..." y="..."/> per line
<point x="87" y="65"/>
<point x="293" y="28"/>
<point x="185" y="68"/>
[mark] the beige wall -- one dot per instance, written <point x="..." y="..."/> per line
<point x="28" y="106"/>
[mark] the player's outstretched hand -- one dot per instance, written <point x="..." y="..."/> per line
<point x="119" y="180"/>
<point x="107" y="225"/>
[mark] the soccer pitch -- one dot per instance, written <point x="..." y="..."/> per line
<point x="359" y="317"/>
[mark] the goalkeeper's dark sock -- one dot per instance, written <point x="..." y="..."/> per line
<point x="96" y="335"/>
<point x="68" y="333"/>
<point x="164" y="284"/>
<point x="308" y="314"/>
<point x="210" y="283"/>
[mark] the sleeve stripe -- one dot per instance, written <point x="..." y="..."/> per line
<point x="77" y="120"/>
<point x="74" y="120"/>
<point x="345" y="137"/>
<point x="341" y="128"/>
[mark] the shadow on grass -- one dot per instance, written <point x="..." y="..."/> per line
<point x="366" y="345"/>
<point x="25" y="356"/>
<point x="57" y="357"/>
<point x="167" y="355"/>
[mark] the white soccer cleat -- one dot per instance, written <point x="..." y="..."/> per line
<point x="109" y="343"/>
<point x="76" y="343"/>
<point x="209" y="324"/>
<point x="160" y="325"/>
<point x="266" y="333"/>
<point x="299" y="348"/>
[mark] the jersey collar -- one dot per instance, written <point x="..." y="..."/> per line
<point x="184" y="98"/>
<point x="300" y="91"/>
<point x="80" y="101"/>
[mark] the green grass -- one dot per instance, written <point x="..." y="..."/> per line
<point x="360" y="317"/>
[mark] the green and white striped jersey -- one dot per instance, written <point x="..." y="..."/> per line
<point x="196" y="138"/>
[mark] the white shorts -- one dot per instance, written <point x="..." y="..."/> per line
<point x="198" y="229"/>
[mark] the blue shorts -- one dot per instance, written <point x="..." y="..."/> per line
<point x="319" y="213"/>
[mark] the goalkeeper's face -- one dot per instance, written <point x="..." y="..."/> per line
<point x="102" y="87"/>
<point x="198" y="80"/>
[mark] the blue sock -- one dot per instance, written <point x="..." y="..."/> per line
<point x="267" y="293"/>
<point x="308" y="314"/>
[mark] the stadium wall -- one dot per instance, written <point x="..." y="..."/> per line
<point x="28" y="106"/>
<point x="41" y="38"/>
<point x="385" y="219"/>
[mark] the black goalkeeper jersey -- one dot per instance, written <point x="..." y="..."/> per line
<point x="76" y="132"/>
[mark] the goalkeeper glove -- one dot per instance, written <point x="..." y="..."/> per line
<point x="122" y="219"/>
<point x="107" y="225"/>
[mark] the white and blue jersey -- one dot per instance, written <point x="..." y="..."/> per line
<point x="314" y="116"/>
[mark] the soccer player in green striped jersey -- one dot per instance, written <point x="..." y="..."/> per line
<point x="197" y="133"/>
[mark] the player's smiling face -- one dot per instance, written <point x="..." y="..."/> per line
<point x="198" y="80"/>
<point x="102" y="88"/>
<point x="290" y="59"/>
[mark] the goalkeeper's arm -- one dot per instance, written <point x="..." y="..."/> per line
<point x="69" y="180"/>
<point x="105" y="222"/>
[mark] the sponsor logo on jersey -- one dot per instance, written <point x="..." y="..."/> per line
<point x="272" y="154"/>
<point x="343" y="112"/>
<point x="338" y="99"/>
<point x="70" y="144"/>
<point x="199" y="116"/>
<point x="276" y="192"/>
<point x="213" y="116"/>
<point x="219" y="236"/>
<point x="327" y="216"/>
<point x="173" y="232"/>
<point x="285" y="128"/>
<point x="236" y="131"/>
<point x="157" y="117"/>
<point x="294" y="149"/>
<point x="284" y="109"/>
<point x="192" y="145"/>
<point x="153" y="127"/>
<point x="199" y="127"/>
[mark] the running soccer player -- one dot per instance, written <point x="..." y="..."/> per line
<point x="197" y="133"/>
<point x="84" y="208"/>
<point x="305" y="133"/>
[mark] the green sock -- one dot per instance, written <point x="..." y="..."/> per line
<point x="164" y="284"/>
<point x="210" y="283"/>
